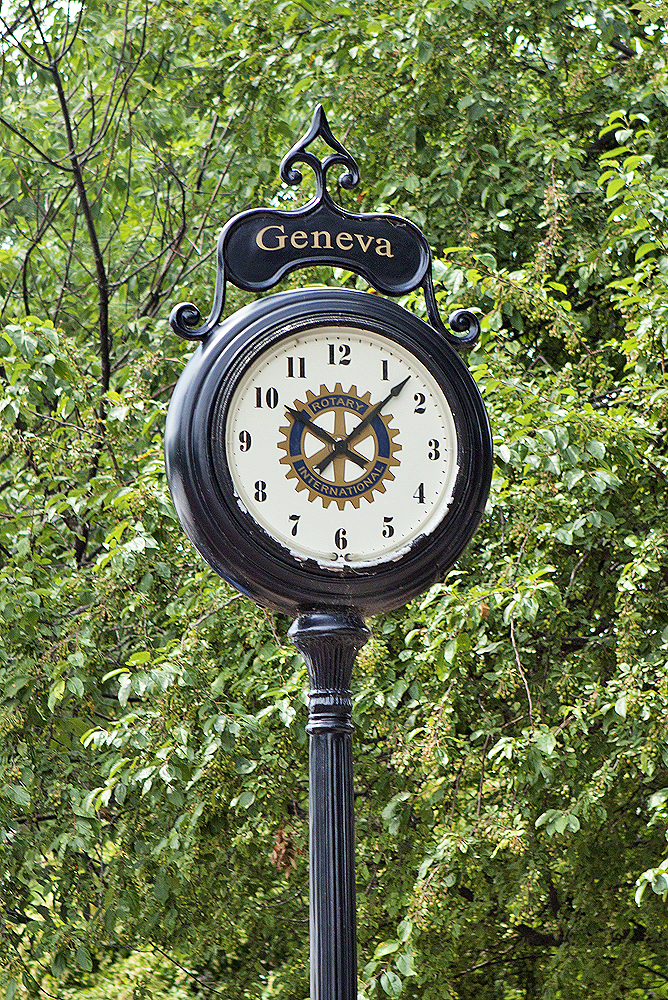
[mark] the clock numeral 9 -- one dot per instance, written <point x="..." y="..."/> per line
<point x="260" y="491"/>
<point x="340" y="539"/>
<point x="344" y="351"/>
<point x="270" y="398"/>
<point x="434" y="453"/>
<point x="388" y="527"/>
<point x="245" y="441"/>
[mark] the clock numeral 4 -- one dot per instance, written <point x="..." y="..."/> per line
<point x="340" y="539"/>
<point x="270" y="397"/>
<point x="419" y="494"/>
<point x="344" y="351"/>
<point x="260" y="491"/>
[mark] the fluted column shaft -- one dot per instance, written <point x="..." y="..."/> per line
<point x="329" y="644"/>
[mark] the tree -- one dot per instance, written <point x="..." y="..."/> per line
<point x="511" y="751"/>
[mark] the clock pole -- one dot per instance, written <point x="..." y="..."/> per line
<point x="329" y="643"/>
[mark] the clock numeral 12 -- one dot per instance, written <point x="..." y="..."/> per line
<point x="344" y="351"/>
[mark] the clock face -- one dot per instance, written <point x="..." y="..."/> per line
<point x="341" y="445"/>
<point x="326" y="449"/>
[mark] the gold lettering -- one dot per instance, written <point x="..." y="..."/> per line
<point x="316" y="240"/>
<point x="299" y="239"/>
<point x="281" y="239"/>
<point x="344" y="241"/>
<point x="387" y="252"/>
<point x="361" y="239"/>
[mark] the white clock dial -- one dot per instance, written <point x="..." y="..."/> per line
<point x="341" y="445"/>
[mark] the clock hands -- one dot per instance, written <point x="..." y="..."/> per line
<point x="341" y="447"/>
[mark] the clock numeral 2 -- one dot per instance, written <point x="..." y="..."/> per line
<point x="270" y="398"/>
<point x="344" y="351"/>
<point x="420" y="399"/>
<point x="260" y="491"/>
<point x="340" y="539"/>
<point x="302" y="368"/>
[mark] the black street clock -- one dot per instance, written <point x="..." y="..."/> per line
<point x="327" y="449"/>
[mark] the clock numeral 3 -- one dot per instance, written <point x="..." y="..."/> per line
<point x="419" y="494"/>
<point x="270" y="398"/>
<point x="245" y="441"/>
<point x="420" y="399"/>
<point x="295" y="519"/>
<point x="340" y="539"/>
<point x="434" y="453"/>
<point x="388" y="527"/>
<point x="344" y="351"/>
<point x="260" y="491"/>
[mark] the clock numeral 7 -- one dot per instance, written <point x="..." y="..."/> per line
<point x="295" y="519"/>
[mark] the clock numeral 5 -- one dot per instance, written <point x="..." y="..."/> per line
<point x="270" y="398"/>
<point x="388" y="527"/>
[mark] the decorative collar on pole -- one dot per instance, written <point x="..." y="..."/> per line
<point x="259" y="247"/>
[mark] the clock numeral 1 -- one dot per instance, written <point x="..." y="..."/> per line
<point x="340" y="539"/>
<point x="419" y="494"/>
<point x="434" y="453"/>
<point x="344" y="351"/>
<point x="388" y="527"/>
<point x="260" y="491"/>
<point x="386" y="374"/>
<point x="270" y="398"/>
<point x="245" y="441"/>
<point x="295" y="519"/>
<point x="302" y="368"/>
<point x="420" y="399"/>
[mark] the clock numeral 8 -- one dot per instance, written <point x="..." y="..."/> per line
<point x="260" y="491"/>
<point x="340" y="539"/>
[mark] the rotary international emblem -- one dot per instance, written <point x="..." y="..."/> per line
<point x="339" y="446"/>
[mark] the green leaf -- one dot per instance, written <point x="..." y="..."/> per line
<point x="391" y="983"/>
<point x="83" y="958"/>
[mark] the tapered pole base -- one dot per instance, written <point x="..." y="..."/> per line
<point x="329" y="644"/>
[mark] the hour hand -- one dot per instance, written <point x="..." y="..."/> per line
<point x="339" y="447"/>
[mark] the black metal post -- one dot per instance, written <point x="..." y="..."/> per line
<point x="329" y="644"/>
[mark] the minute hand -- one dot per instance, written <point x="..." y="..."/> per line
<point x="364" y="423"/>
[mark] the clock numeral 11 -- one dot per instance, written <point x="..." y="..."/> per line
<point x="302" y="367"/>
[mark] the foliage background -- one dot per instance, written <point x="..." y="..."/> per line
<point x="511" y="749"/>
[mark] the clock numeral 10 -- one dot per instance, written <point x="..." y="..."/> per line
<point x="302" y="368"/>
<point x="270" y="398"/>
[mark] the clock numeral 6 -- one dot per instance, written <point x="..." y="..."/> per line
<point x="245" y="441"/>
<point x="388" y="527"/>
<point x="270" y="398"/>
<point x="340" y="539"/>
<point x="260" y="491"/>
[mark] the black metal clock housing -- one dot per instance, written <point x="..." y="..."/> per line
<point x="326" y="449"/>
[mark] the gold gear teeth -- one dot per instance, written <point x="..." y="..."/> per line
<point x="308" y="478"/>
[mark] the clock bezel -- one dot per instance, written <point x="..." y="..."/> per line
<point x="231" y="540"/>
